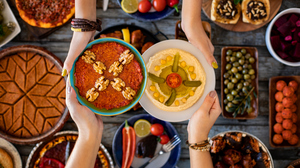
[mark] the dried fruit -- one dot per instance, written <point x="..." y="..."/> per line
<point x="280" y="85"/>
<point x="294" y="140"/>
<point x="287" y="102"/>
<point x="279" y="118"/>
<point x="294" y="128"/>
<point x="279" y="96"/>
<point x="288" y="91"/>
<point x="286" y="113"/>
<point x="287" y="134"/>
<point x="278" y="128"/>
<point x="294" y="117"/>
<point x="279" y="107"/>
<point x="277" y="139"/>
<point x="294" y="85"/>
<point x="287" y="124"/>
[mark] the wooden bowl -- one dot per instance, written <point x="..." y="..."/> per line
<point x="272" y="113"/>
<point x="254" y="103"/>
<point x="30" y="122"/>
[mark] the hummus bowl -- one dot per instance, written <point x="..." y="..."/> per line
<point x="104" y="83"/>
<point x="191" y="57"/>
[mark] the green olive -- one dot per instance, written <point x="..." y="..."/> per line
<point x="245" y="71"/>
<point x="235" y="64"/>
<point x="232" y="59"/>
<point x="229" y="72"/>
<point x="246" y="83"/>
<point x="248" y="55"/>
<point x="235" y="102"/>
<point x="229" y="97"/>
<point x="238" y="76"/>
<point x="239" y="54"/>
<point x="241" y="62"/>
<point x="244" y="89"/>
<point x="234" y="70"/>
<point x="226" y="108"/>
<point x="240" y="68"/>
<point x="228" y="66"/>
<point x="234" y="54"/>
<point x="250" y="66"/>
<point x="240" y="86"/>
<point x="251" y="60"/>
<point x="226" y="90"/>
<point x="251" y="72"/>
<point x="249" y="110"/>
<point x="243" y="51"/>
<point x="245" y="66"/>
<point x="229" y="52"/>
<point x="225" y="101"/>
<point x="227" y="58"/>
<point x="230" y="85"/>
<point x="226" y="82"/>
<point x="252" y="76"/>
<point x="226" y="75"/>
<point x="234" y="80"/>
<point x="229" y="104"/>
<point x="246" y="76"/>
<point x="234" y="92"/>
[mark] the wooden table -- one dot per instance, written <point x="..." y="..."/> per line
<point x="59" y="42"/>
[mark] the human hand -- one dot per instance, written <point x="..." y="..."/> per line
<point x="78" y="43"/>
<point x="204" y="118"/>
<point x="89" y="124"/>
<point x="196" y="35"/>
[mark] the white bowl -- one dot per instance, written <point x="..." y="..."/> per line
<point x="209" y="86"/>
<point x="9" y="17"/>
<point x="268" y="35"/>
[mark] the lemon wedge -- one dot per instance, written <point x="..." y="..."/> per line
<point x="130" y="6"/>
<point x="142" y="128"/>
<point x="126" y="35"/>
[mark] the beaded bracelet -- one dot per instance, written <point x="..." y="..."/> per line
<point x="203" y="146"/>
<point x="83" y="25"/>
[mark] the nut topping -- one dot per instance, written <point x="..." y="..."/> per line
<point x="99" y="67"/>
<point x="256" y="10"/>
<point x="92" y="95"/>
<point x="116" y="68"/>
<point x="226" y="9"/>
<point x="126" y="57"/>
<point x="101" y="84"/>
<point x="89" y="57"/>
<point x="128" y="93"/>
<point x="117" y="84"/>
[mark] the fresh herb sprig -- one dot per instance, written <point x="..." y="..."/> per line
<point x="245" y="103"/>
<point x="237" y="1"/>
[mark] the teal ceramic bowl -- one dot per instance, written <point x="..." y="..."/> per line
<point x="120" y="110"/>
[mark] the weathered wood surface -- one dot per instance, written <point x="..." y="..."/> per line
<point x="58" y="43"/>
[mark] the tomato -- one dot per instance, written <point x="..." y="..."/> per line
<point x="156" y="129"/>
<point x="174" y="80"/>
<point x="164" y="139"/>
<point x="159" y="5"/>
<point x="144" y="6"/>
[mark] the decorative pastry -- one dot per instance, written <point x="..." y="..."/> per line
<point x="255" y="11"/>
<point x="225" y="11"/>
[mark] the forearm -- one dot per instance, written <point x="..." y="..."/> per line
<point x="191" y="12"/>
<point x="85" y="151"/>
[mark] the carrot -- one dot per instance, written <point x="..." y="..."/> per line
<point x="128" y="145"/>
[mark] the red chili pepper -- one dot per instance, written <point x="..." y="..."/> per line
<point x="173" y="4"/>
<point x="128" y="145"/>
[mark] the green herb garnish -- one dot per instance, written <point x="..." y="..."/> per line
<point x="237" y="1"/>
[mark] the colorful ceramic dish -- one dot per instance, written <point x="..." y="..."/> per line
<point x="109" y="68"/>
<point x="165" y="161"/>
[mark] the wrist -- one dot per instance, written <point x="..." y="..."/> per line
<point x="90" y="135"/>
<point x="196" y="138"/>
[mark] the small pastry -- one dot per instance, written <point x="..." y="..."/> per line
<point x="225" y="11"/>
<point x="255" y="11"/>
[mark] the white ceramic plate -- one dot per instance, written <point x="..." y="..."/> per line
<point x="9" y="17"/>
<point x="12" y="151"/>
<point x="209" y="86"/>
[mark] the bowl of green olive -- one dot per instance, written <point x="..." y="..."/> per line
<point x="239" y="82"/>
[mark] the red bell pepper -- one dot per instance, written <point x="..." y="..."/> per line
<point x="50" y="163"/>
<point x="173" y="4"/>
<point x="128" y="145"/>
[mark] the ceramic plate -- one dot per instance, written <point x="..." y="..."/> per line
<point x="115" y="111"/>
<point x="209" y="86"/>
<point x="12" y="151"/>
<point x="9" y="17"/>
<point x="167" y="160"/>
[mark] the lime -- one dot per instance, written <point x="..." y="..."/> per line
<point x="129" y="6"/>
<point x="142" y="128"/>
<point x="126" y="35"/>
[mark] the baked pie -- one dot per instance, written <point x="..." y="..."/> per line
<point x="255" y="11"/>
<point x="225" y="11"/>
